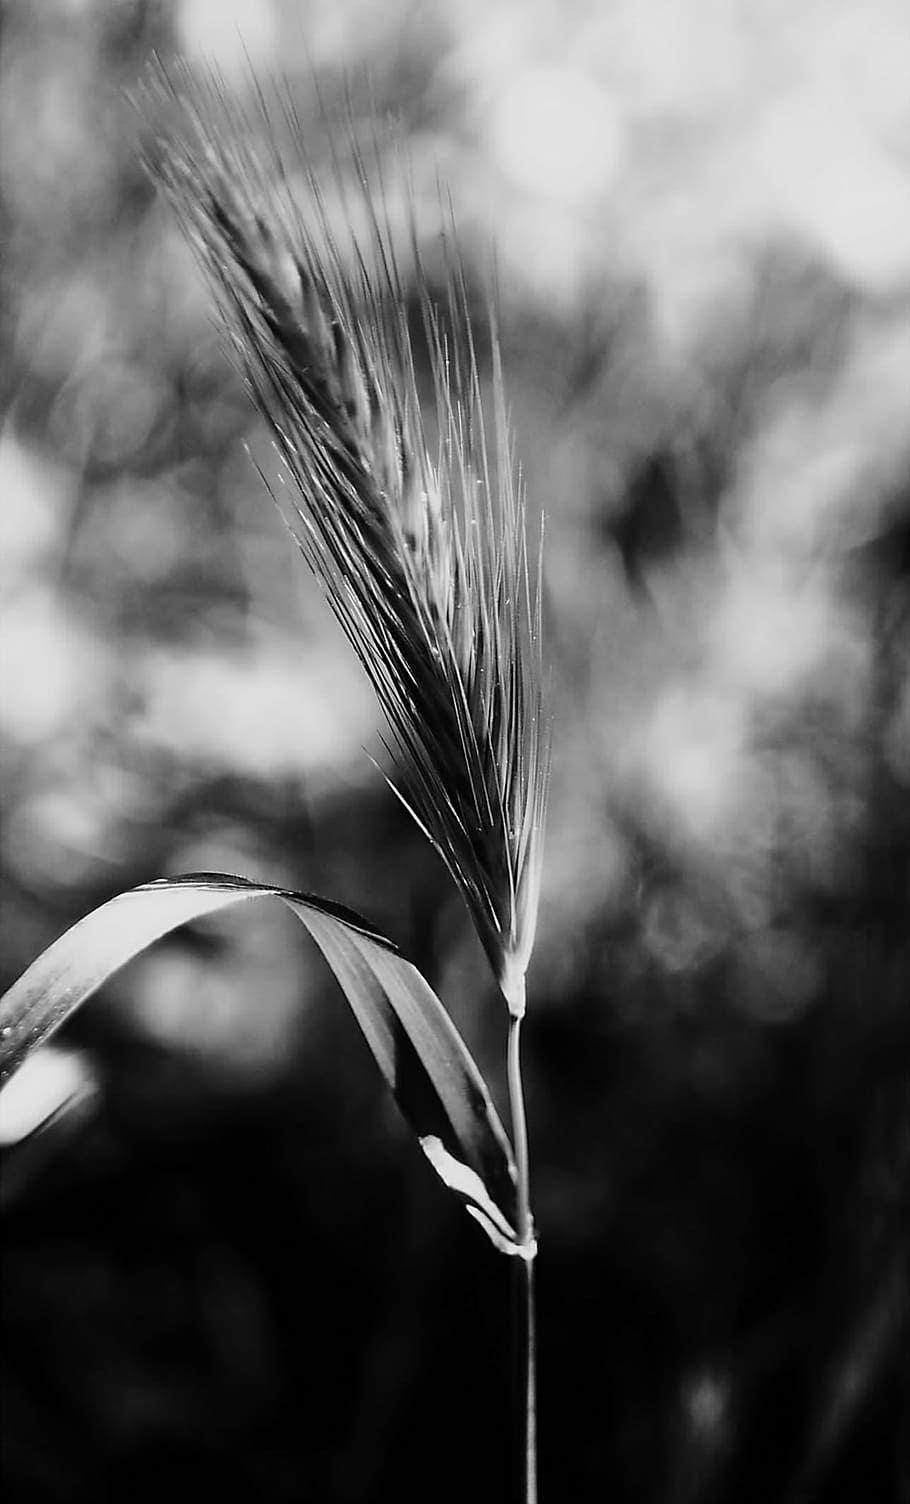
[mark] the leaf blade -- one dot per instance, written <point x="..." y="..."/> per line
<point x="418" y="1049"/>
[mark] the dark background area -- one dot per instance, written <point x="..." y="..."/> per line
<point x="228" y="1270"/>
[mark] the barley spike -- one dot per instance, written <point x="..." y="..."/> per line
<point x="421" y="548"/>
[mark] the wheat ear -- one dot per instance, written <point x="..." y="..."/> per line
<point x="421" y="550"/>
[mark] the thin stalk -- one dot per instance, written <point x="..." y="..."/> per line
<point x="525" y="1381"/>
<point x="523" y="1329"/>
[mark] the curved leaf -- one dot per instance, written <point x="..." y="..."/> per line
<point x="417" y="1047"/>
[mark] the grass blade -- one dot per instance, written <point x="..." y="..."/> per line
<point x="417" y="1047"/>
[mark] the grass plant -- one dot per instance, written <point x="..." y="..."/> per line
<point x="416" y="530"/>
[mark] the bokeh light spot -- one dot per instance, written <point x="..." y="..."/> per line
<point x="555" y="132"/>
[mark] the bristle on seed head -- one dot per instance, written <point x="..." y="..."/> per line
<point x="421" y="548"/>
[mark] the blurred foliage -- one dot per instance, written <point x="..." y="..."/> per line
<point x="232" y="1270"/>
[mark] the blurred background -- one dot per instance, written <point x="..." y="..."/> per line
<point x="225" y="1267"/>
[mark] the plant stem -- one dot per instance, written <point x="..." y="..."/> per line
<point x="524" y="1369"/>
<point x="524" y="1336"/>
